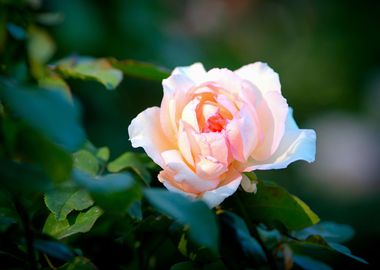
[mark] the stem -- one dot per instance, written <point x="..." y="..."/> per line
<point x="253" y="230"/>
<point x="28" y="233"/>
<point x="102" y="168"/>
<point x="49" y="262"/>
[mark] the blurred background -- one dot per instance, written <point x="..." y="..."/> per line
<point x="327" y="53"/>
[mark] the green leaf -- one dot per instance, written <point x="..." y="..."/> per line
<point x="182" y="245"/>
<point x="53" y="81"/>
<point x="79" y="263"/>
<point x="47" y="111"/>
<point x="201" y="221"/>
<point x="54" y="249"/>
<point x="330" y="231"/>
<point x="61" y="201"/>
<point x="272" y="205"/>
<point x="55" y="227"/>
<point x="83" y="223"/>
<point x="87" y="68"/>
<point x="86" y="161"/>
<point x="249" y="245"/>
<point x="41" y="48"/>
<point x="103" y="154"/>
<point x="308" y="263"/>
<point x="135" y="211"/>
<point x="346" y="251"/>
<point x="141" y="69"/>
<point x="104" y="184"/>
<point x="317" y="241"/>
<point x="271" y="238"/>
<point x="35" y="148"/>
<point x="132" y="161"/>
<point x="113" y="192"/>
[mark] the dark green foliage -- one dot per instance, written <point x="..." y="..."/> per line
<point x="141" y="70"/>
<point x="273" y="205"/>
<point x="196" y="215"/>
<point x="42" y="110"/>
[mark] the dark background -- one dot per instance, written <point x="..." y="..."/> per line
<point x="326" y="52"/>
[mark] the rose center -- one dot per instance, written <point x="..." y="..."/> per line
<point x="215" y="123"/>
<point x="211" y="115"/>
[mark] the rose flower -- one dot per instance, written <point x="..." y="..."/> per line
<point x="213" y="126"/>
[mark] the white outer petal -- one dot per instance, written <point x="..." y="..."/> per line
<point x="272" y="113"/>
<point x="297" y="144"/>
<point x="261" y="75"/>
<point x="183" y="78"/>
<point x="145" y="131"/>
<point x="248" y="131"/>
<point x="195" y="72"/>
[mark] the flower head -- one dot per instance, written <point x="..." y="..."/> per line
<point x="213" y="126"/>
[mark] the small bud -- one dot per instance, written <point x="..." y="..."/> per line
<point x="248" y="184"/>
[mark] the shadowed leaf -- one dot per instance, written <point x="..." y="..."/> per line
<point x="113" y="192"/>
<point x="202" y="224"/>
<point x="141" y="69"/>
<point x="317" y="241"/>
<point x="47" y="111"/>
<point x="308" y="263"/>
<point x="54" y="249"/>
<point x="249" y="245"/>
<point x="132" y="161"/>
<point x="330" y="231"/>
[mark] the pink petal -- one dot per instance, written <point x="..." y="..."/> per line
<point x="189" y="114"/>
<point x="243" y="134"/>
<point x="296" y="144"/>
<point x="184" y="143"/>
<point x="183" y="174"/>
<point x="177" y="94"/>
<point x="215" y="197"/>
<point x="212" y="144"/>
<point x="210" y="168"/>
<point x="145" y="131"/>
<point x="166" y="177"/>
<point x="271" y="111"/>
